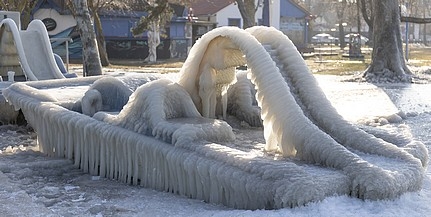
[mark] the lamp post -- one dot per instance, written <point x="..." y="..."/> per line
<point x="405" y="12"/>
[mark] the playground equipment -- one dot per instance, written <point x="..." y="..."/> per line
<point x="164" y="137"/>
<point x="27" y="53"/>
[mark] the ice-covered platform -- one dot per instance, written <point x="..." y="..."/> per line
<point x="161" y="133"/>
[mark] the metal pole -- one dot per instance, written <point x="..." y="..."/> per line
<point x="306" y="33"/>
<point x="407" y="41"/>
<point x="67" y="56"/>
<point x="407" y="37"/>
<point x="67" y="40"/>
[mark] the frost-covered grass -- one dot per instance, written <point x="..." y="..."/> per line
<point x="336" y="66"/>
<point x="419" y="55"/>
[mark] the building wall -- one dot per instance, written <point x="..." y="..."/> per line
<point x="292" y="22"/>
<point x="288" y="9"/>
<point x="232" y="12"/>
<point x="64" y="22"/>
<point x="119" y="27"/>
<point x="274" y="13"/>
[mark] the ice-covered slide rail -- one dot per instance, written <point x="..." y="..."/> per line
<point x="293" y="111"/>
<point x="298" y="119"/>
<point x="311" y="129"/>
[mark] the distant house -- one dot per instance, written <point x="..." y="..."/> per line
<point x="290" y="18"/>
<point x="60" y="25"/>
<point x="221" y="12"/>
<point x="285" y="15"/>
<point x="188" y="24"/>
<point x="116" y="25"/>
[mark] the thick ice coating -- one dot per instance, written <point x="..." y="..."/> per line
<point x="161" y="140"/>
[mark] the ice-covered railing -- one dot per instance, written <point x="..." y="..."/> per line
<point x="196" y="168"/>
<point x="164" y="110"/>
<point x="195" y="159"/>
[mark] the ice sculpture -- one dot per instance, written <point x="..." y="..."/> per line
<point x="160" y="140"/>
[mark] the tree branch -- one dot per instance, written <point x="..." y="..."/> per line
<point x="415" y="20"/>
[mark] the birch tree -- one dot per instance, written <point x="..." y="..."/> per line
<point x="90" y="53"/>
<point x="159" y="15"/>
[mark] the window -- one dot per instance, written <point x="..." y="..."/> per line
<point x="260" y="22"/>
<point x="234" y="22"/>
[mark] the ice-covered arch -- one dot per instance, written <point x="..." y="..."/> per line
<point x="298" y="119"/>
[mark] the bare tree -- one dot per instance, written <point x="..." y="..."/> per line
<point x="160" y="13"/>
<point x="388" y="63"/>
<point x="23" y="6"/>
<point x="95" y="7"/>
<point x="367" y="10"/>
<point x="90" y="53"/>
<point x="341" y="8"/>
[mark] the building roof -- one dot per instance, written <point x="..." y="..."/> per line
<point x="300" y="7"/>
<point x="59" y="6"/>
<point x="205" y="7"/>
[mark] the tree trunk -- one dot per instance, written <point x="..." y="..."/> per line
<point x="388" y="63"/>
<point x="101" y="40"/>
<point x="341" y="35"/>
<point x="366" y="5"/>
<point x="415" y="20"/>
<point x="341" y="7"/>
<point x="153" y="36"/>
<point x="23" y="6"/>
<point x="247" y="9"/>
<point x="90" y="53"/>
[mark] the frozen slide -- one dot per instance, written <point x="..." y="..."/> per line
<point x="160" y="140"/>
<point x="27" y="52"/>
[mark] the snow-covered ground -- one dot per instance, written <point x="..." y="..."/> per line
<point x="32" y="184"/>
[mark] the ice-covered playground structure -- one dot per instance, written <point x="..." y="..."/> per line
<point x="165" y="136"/>
<point x="28" y="52"/>
<point x="26" y="55"/>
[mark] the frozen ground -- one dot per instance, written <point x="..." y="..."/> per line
<point x="34" y="185"/>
